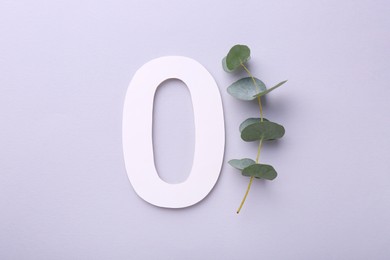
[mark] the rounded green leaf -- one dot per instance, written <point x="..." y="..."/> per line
<point x="250" y="121"/>
<point x="224" y="66"/>
<point x="242" y="163"/>
<point x="245" y="89"/>
<point x="262" y="130"/>
<point x="260" y="171"/>
<point x="269" y="90"/>
<point x="237" y="55"/>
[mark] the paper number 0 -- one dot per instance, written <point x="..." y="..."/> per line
<point x="137" y="132"/>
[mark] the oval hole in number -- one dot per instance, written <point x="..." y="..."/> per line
<point x="173" y="131"/>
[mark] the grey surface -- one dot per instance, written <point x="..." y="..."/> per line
<point x="64" y="70"/>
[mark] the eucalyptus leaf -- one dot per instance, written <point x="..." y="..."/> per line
<point x="224" y="66"/>
<point x="269" y="90"/>
<point x="245" y="89"/>
<point x="237" y="55"/>
<point x="250" y="121"/>
<point x="265" y="130"/>
<point x="260" y="171"/>
<point x="242" y="163"/>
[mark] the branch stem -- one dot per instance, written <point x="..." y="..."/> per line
<point x="246" y="194"/>
<point x="261" y="140"/>
<point x="251" y="179"/>
<point x="258" y="150"/>
<point x="257" y="88"/>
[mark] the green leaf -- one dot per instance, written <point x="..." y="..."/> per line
<point x="250" y="121"/>
<point x="241" y="164"/>
<point x="238" y="54"/>
<point x="269" y="90"/>
<point x="245" y="89"/>
<point x="260" y="171"/>
<point x="262" y="130"/>
<point x="224" y="66"/>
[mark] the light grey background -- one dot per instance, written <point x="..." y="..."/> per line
<point x="64" y="70"/>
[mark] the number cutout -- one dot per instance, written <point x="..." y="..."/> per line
<point x="137" y="132"/>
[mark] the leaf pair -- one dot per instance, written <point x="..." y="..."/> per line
<point x="248" y="167"/>
<point x="253" y="129"/>
<point x="250" y="88"/>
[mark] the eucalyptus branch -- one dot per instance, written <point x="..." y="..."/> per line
<point x="252" y="129"/>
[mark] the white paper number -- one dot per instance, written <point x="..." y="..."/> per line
<point x="137" y="132"/>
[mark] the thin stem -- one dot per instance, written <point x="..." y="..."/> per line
<point x="261" y="109"/>
<point x="246" y="194"/>
<point x="258" y="150"/>
<point x="251" y="179"/>
<point x="261" y="140"/>
<point x="257" y="88"/>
